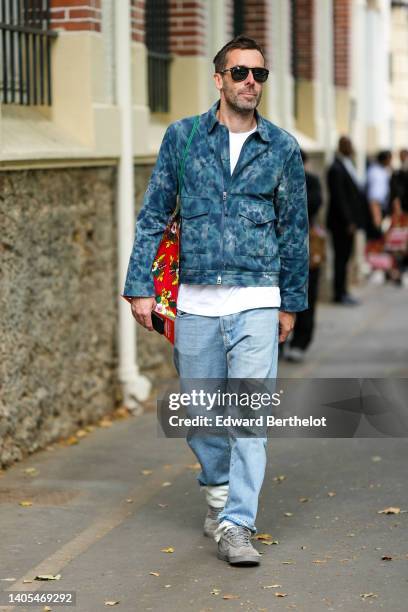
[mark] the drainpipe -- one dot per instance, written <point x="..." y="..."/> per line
<point x="135" y="387"/>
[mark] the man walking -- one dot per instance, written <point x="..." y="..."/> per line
<point x="346" y="214"/>
<point x="243" y="269"/>
<point x="305" y="321"/>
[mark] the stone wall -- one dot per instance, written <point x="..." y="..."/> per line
<point x="59" y="293"/>
<point x="58" y="304"/>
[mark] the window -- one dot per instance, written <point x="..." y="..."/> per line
<point x="158" y="56"/>
<point x="294" y="55"/>
<point x="25" y="64"/>
<point x="239" y="17"/>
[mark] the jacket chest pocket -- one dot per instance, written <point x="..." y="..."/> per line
<point x="194" y="224"/>
<point x="255" y="233"/>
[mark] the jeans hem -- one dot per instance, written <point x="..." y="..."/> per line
<point x="217" y="484"/>
<point x="237" y="521"/>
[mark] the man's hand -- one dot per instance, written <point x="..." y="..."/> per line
<point x="286" y="324"/>
<point x="376" y="214"/>
<point x="142" y="310"/>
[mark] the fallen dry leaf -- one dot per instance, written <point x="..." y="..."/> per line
<point x="166" y="484"/>
<point x="111" y="603"/>
<point x="386" y="558"/>
<point x="277" y="594"/>
<point x="263" y="536"/>
<point x="331" y="494"/>
<point x="166" y="586"/>
<point x="122" y="413"/>
<point x="366" y="595"/>
<point x="229" y="596"/>
<point x="390" y="510"/>
<point x="215" y="591"/>
<point x="169" y="549"/>
<point x="279" y="478"/>
<point x="146" y="472"/>
<point x="72" y="440"/>
<point x="81" y="433"/>
<point x="32" y="471"/>
<point x="303" y="499"/>
<point x="288" y="513"/>
<point x="8" y="579"/>
<point x="287" y="562"/>
<point x="376" y="458"/>
<point x="319" y="561"/>
<point x="129" y="500"/>
<point x="48" y="577"/>
<point x="163" y="505"/>
<point x="105" y="423"/>
<point x="272" y="586"/>
<point x="154" y="573"/>
<point x="25" y="503"/>
<point x="269" y="542"/>
<point x="26" y="581"/>
<point x="47" y="609"/>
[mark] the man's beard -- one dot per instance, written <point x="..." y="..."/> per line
<point x="239" y="104"/>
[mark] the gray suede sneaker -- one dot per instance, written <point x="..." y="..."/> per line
<point x="235" y="546"/>
<point x="211" y="521"/>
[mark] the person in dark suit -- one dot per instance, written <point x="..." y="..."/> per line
<point x="399" y="185"/>
<point x="347" y="212"/>
<point x="304" y="325"/>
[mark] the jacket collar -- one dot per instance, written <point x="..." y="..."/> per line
<point x="211" y="120"/>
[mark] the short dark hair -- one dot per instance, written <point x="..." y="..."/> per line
<point x="239" y="42"/>
<point x="384" y="156"/>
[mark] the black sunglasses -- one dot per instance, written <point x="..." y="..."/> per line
<point x="240" y="73"/>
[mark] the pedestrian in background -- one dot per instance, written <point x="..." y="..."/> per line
<point x="399" y="185"/>
<point x="346" y="214"/>
<point x="305" y="320"/>
<point x="378" y="187"/>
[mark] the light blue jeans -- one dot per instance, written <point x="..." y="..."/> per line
<point x="243" y="346"/>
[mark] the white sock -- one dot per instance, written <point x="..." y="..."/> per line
<point x="216" y="495"/>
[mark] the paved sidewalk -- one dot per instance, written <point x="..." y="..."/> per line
<point x="101" y="522"/>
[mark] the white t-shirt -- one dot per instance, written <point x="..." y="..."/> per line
<point x="378" y="183"/>
<point x="215" y="300"/>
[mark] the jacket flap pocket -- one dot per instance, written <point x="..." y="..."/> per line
<point x="257" y="212"/>
<point x="194" y="206"/>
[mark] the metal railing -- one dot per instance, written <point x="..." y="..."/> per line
<point x="158" y="56"/>
<point x="158" y="81"/>
<point x="25" y="53"/>
<point x="294" y="63"/>
<point x="239" y="17"/>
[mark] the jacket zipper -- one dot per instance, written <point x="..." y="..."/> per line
<point x="224" y="199"/>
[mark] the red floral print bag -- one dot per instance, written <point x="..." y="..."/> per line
<point x="165" y="267"/>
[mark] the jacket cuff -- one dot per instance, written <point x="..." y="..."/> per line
<point x="293" y="304"/>
<point x="139" y="289"/>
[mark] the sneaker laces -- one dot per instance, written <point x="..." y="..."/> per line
<point x="238" y="535"/>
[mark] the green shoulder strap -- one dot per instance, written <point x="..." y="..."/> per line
<point x="181" y="168"/>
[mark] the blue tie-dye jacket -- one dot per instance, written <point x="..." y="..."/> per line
<point x="248" y="229"/>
